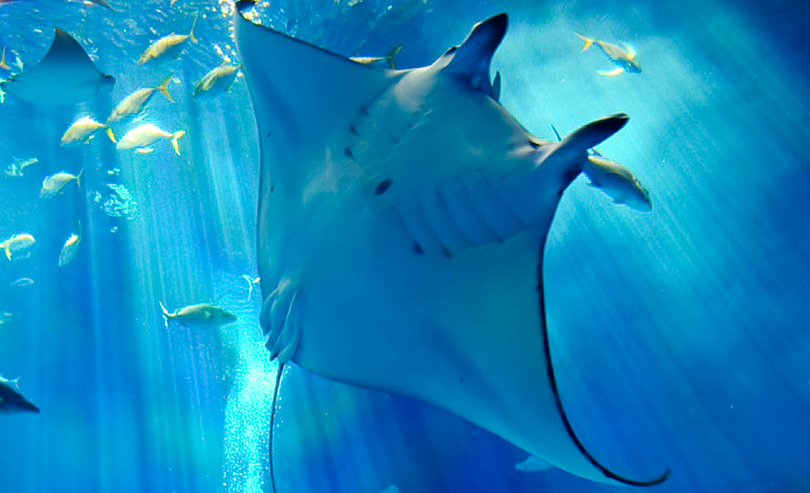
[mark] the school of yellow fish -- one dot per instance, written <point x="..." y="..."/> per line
<point x="139" y="137"/>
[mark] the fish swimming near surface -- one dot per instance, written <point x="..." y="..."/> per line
<point x="82" y="131"/>
<point x="16" y="168"/>
<point x="23" y="282"/>
<point x="64" y="76"/>
<point x="12" y="401"/>
<point x="54" y="184"/>
<point x="623" y="58"/>
<point x="141" y="136"/>
<point x="427" y="207"/>
<point x="201" y="316"/>
<point x="167" y="47"/>
<point x="217" y="81"/>
<point x="17" y="245"/>
<point x="135" y="102"/>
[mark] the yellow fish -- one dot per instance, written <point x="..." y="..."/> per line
<point x="141" y="136"/>
<point x="200" y="316"/>
<point x="56" y="182"/>
<point x="217" y="81"/>
<point x="623" y="58"/>
<point x="82" y="131"/>
<point x="167" y="47"/>
<point x="17" y="243"/>
<point x="69" y="249"/>
<point x="135" y="102"/>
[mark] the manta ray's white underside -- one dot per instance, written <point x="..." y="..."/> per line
<point x="402" y="221"/>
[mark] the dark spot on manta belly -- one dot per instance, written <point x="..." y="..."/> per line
<point x="383" y="187"/>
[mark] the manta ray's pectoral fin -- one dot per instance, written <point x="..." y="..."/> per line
<point x="280" y="320"/>
<point x="611" y="73"/>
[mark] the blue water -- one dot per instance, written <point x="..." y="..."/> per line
<point x="680" y="337"/>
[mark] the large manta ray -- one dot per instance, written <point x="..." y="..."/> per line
<point x="402" y="220"/>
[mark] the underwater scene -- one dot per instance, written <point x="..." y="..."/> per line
<point x="410" y="246"/>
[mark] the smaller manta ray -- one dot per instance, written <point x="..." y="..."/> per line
<point x="64" y="76"/>
<point x="11" y="401"/>
<point x="623" y="58"/>
<point x="403" y="217"/>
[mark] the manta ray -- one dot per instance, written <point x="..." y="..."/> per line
<point x="402" y="220"/>
<point x="64" y="76"/>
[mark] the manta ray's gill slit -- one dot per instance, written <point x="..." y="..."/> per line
<point x="442" y="222"/>
<point x="460" y="206"/>
<point x="493" y="210"/>
<point x="411" y="217"/>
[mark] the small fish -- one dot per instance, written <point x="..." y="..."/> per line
<point x="623" y="58"/>
<point x="53" y="184"/>
<point x="6" y="317"/>
<point x="100" y="3"/>
<point x="17" y="243"/>
<point x="82" y="130"/>
<point x="22" y="282"/>
<point x="167" y="47"/>
<point x="143" y="135"/>
<point x="217" y="81"/>
<point x="135" y="102"/>
<point x="200" y="316"/>
<point x="11" y="401"/>
<point x="16" y="168"/>
<point x="617" y="182"/>
<point x="371" y="60"/>
<point x="69" y="249"/>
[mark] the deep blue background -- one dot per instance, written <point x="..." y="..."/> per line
<point x="680" y="337"/>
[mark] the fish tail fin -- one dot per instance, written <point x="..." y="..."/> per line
<point x="191" y="33"/>
<point x="8" y="251"/>
<point x="588" y="41"/>
<point x="79" y="178"/>
<point x="3" y="63"/>
<point x="111" y="135"/>
<point x="390" y="57"/>
<point x="175" y="137"/>
<point x="164" y="88"/>
<point x="166" y="313"/>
